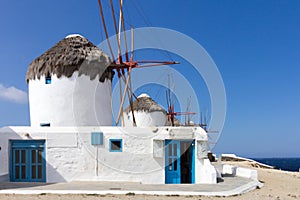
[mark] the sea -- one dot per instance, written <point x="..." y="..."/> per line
<point x="287" y="164"/>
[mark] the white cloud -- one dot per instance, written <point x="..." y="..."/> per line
<point x="13" y="94"/>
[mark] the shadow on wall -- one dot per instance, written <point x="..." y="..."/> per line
<point x="7" y="134"/>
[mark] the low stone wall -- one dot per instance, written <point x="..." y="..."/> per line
<point x="240" y="171"/>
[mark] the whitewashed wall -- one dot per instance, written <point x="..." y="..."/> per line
<point x="145" y="119"/>
<point x="71" y="157"/>
<point x="74" y="101"/>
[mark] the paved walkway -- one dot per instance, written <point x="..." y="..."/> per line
<point x="230" y="186"/>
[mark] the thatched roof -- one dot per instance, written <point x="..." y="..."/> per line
<point x="73" y="53"/>
<point x="176" y="122"/>
<point x="145" y="103"/>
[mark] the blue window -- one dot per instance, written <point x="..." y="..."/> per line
<point x="45" y="124"/>
<point x="27" y="161"/>
<point x="48" y="80"/>
<point x="115" y="145"/>
<point x="97" y="138"/>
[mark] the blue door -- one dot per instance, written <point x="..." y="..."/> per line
<point x="180" y="161"/>
<point x="172" y="169"/>
<point x="27" y="161"/>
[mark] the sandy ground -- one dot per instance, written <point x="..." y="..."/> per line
<point x="277" y="185"/>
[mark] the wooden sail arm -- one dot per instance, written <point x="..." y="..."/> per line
<point x="116" y="30"/>
<point x="136" y="64"/>
<point x="158" y="61"/>
<point x="155" y="65"/>
<point x="184" y="113"/>
<point x="123" y="29"/>
<point x="105" y="29"/>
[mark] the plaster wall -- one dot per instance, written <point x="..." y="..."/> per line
<point x="74" y="101"/>
<point x="205" y="172"/>
<point x="71" y="157"/>
<point x="145" y="119"/>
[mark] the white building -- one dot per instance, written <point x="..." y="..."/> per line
<point x="71" y="137"/>
<point x="70" y="85"/>
<point x="147" y="113"/>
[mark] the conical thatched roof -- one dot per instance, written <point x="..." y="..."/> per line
<point x="176" y="122"/>
<point x="73" y="53"/>
<point x="145" y="103"/>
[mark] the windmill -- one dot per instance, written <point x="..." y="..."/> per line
<point x="188" y="110"/>
<point x="204" y="124"/>
<point x="170" y="103"/>
<point x="203" y="121"/>
<point x="122" y="66"/>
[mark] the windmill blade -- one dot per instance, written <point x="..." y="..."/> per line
<point x="185" y="113"/>
<point x="116" y="30"/>
<point x="120" y="90"/>
<point x="132" y="44"/>
<point x="169" y="91"/>
<point x="212" y="140"/>
<point x="120" y="23"/>
<point x="122" y="27"/>
<point x="206" y="116"/>
<point x="134" y="64"/>
<point x="151" y="65"/>
<point x="188" y="108"/>
<point x="200" y="118"/>
<point x="114" y="17"/>
<point x="204" y="122"/>
<point x="129" y="64"/>
<point x="185" y="117"/>
<point x="158" y="61"/>
<point x="129" y="86"/>
<point x="211" y="131"/>
<point x="123" y="99"/>
<point x="154" y="63"/>
<point x="130" y="98"/>
<point x="167" y="97"/>
<point x="105" y="29"/>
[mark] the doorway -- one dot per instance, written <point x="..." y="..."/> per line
<point x="180" y="161"/>
<point x="27" y="161"/>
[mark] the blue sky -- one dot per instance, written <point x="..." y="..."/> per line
<point x="255" y="44"/>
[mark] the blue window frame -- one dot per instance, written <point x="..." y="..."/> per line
<point x="48" y="80"/>
<point x="45" y="124"/>
<point x="27" y="161"/>
<point x="115" y="145"/>
<point x="97" y="138"/>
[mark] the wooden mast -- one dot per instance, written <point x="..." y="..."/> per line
<point x="120" y="66"/>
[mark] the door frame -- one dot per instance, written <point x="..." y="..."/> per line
<point x="192" y="164"/>
<point x="172" y="176"/>
<point x="26" y="145"/>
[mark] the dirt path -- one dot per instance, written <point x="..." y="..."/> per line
<point x="277" y="185"/>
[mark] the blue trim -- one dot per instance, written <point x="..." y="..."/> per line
<point x="111" y="143"/>
<point x="48" y="80"/>
<point x="172" y="170"/>
<point x="45" y="124"/>
<point x="173" y="176"/>
<point x="193" y="163"/>
<point x="97" y="138"/>
<point x="27" y="170"/>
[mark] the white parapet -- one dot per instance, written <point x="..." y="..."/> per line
<point x="247" y="173"/>
<point x="240" y="171"/>
<point x="229" y="169"/>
